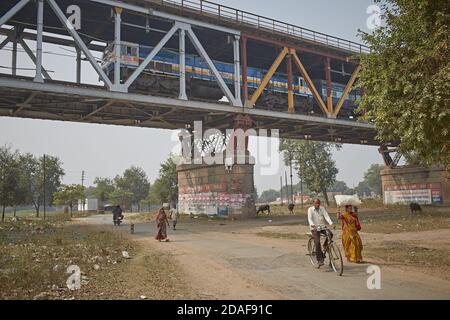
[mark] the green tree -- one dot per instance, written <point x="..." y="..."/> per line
<point x="269" y="196"/>
<point x="158" y="194"/>
<point x="103" y="188"/>
<point x="69" y="195"/>
<point x="134" y="181"/>
<point x="339" y="186"/>
<point x="363" y="189"/>
<point x="33" y="170"/>
<point x="9" y="173"/>
<point x="165" y="188"/>
<point x="406" y="78"/>
<point x="122" y="197"/>
<point x="373" y="178"/>
<point x="33" y="182"/>
<point x="317" y="168"/>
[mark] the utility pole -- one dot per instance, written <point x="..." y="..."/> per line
<point x="300" y="173"/>
<point x="287" y="189"/>
<point x="82" y="184"/>
<point x="44" y="170"/>
<point x="281" y="189"/>
<point x="292" y="185"/>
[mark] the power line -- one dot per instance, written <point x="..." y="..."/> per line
<point x="6" y="48"/>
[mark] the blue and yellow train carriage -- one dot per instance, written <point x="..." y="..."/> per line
<point x="160" y="75"/>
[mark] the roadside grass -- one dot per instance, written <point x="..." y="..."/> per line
<point x="27" y="214"/>
<point x="282" y="210"/>
<point x="151" y="216"/>
<point x="401" y="221"/>
<point x="35" y="255"/>
<point x="429" y="260"/>
<point x="282" y="235"/>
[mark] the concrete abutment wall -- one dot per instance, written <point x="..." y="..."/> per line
<point x="415" y="184"/>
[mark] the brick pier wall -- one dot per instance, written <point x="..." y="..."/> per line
<point x="214" y="190"/>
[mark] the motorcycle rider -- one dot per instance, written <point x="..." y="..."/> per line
<point x="117" y="215"/>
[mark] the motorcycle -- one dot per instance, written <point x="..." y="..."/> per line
<point x="117" y="220"/>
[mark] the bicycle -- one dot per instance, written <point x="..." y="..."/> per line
<point x="331" y="250"/>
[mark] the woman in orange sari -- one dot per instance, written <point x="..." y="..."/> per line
<point x="350" y="238"/>
<point x="162" y="224"/>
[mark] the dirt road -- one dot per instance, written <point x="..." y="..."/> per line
<point x="229" y="260"/>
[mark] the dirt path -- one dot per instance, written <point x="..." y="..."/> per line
<point x="228" y="260"/>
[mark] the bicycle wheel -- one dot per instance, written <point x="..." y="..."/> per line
<point x="336" y="259"/>
<point x="312" y="253"/>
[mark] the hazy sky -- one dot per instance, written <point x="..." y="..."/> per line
<point x="105" y="151"/>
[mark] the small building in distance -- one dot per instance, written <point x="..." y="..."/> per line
<point x="90" y="205"/>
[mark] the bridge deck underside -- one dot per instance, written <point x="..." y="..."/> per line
<point x="64" y="101"/>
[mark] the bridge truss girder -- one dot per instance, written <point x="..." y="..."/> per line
<point x="291" y="55"/>
<point x="44" y="98"/>
<point x="93" y="104"/>
<point x="183" y="25"/>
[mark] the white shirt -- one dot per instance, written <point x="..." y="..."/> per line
<point x="173" y="214"/>
<point x="318" y="217"/>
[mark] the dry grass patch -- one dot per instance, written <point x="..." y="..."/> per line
<point x="434" y="261"/>
<point x="394" y="222"/>
<point x="282" y="235"/>
<point x="35" y="255"/>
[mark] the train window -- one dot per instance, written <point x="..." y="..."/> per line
<point x="128" y="50"/>
<point x="158" y="66"/>
<point x="301" y="83"/>
<point x="132" y="51"/>
<point x="167" y="67"/>
<point x="163" y="67"/>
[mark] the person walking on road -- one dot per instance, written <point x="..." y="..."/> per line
<point x="162" y="224"/>
<point x="174" y="215"/>
<point x="351" y="240"/>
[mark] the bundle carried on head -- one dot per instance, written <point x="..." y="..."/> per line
<point x="343" y="201"/>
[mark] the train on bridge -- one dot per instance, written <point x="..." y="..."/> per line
<point x="161" y="77"/>
<point x="168" y="63"/>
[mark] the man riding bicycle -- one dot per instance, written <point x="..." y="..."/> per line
<point x="317" y="216"/>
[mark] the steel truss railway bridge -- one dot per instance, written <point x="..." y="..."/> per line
<point x="211" y="31"/>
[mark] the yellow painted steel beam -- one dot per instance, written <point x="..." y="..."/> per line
<point x="269" y="76"/>
<point x="347" y="90"/>
<point x="309" y="82"/>
<point x="330" y="104"/>
<point x="291" y="107"/>
<point x="328" y="82"/>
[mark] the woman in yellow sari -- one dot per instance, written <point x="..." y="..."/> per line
<point x="350" y="238"/>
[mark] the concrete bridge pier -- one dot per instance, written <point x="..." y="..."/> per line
<point x="225" y="188"/>
<point x="218" y="190"/>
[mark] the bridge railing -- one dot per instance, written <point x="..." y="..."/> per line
<point x="224" y="13"/>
